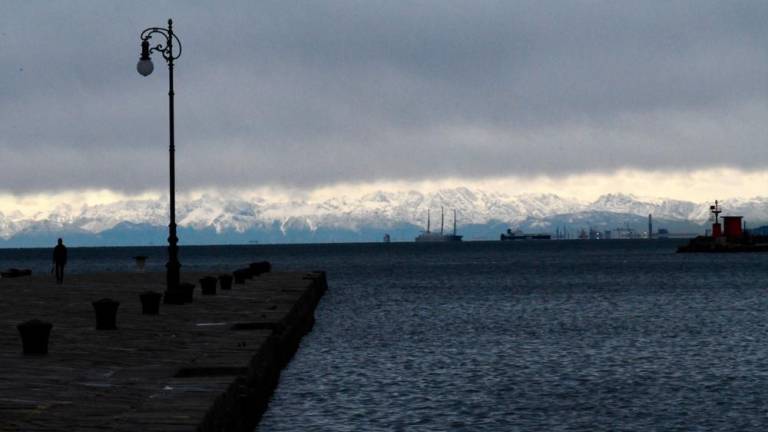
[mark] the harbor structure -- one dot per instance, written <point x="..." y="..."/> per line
<point x="728" y="237"/>
<point x="650" y="226"/>
<point x="207" y="365"/>
<point x="519" y="235"/>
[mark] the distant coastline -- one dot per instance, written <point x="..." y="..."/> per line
<point x="484" y="216"/>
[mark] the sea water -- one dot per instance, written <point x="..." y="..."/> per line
<point x="532" y="336"/>
<point x="539" y="335"/>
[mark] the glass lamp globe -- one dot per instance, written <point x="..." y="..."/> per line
<point x="145" y="67"/>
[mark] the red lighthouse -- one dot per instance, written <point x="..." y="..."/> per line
<point x="716" y="229"/>
<point x="729" y="237"/>
<point x="732" y="226"/>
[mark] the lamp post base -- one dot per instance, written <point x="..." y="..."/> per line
<point x="173" y="266"/>
<point x="172" y="277"/>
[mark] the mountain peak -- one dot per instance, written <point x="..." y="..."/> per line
<point x="375" y="210"/>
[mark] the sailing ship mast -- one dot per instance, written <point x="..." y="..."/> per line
<point x="442" y="219"/>
<point x="429" y="236"/>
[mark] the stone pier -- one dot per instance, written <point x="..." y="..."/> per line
<point x="209" y="365"/>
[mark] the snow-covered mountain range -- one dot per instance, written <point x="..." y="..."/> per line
<point x="481" y="214"/>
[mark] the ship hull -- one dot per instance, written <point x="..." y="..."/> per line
<point x="438" y="238"/>
<point x="505" y="237"/>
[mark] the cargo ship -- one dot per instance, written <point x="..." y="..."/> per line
<point x="730" y="236"/>
<point x="430" y="237"/>
<point x="519" y="235"/>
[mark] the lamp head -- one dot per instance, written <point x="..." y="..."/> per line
<point x="145" y="66"/>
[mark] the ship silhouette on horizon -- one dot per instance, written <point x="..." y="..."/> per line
<point x="430" y="237"/>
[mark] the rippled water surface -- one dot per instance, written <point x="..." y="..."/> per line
<point x="539" y="336"/>
<point x="531" y="336"/>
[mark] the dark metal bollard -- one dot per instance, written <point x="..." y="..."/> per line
<point x="260" y="267"/>
<point x="140" y="261"/>
<point x="208" y="285"/>
<point x="150" y="302"/>
<point x="246" y="272"/>
<point x="240" y="276"/>
<point x="34" y="336"/>
<point x="225" y="281"/>
<point x="14" y="273"/>
<point x="106" y="313"/>
<point x="187" y="292"/>
<point x="173" y="297"/>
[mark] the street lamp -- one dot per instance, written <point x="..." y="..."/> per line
<point x="145" y="67"/>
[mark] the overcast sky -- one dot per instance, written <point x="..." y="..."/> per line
<point x="309" y="94"/>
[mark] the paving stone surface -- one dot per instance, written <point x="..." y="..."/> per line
<point x="161" y="372"/>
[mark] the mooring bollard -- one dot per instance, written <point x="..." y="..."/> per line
<point x="208" y="285"/>
<point x="140" y="261"/>
<point x="187" y="292"/>
<point x="106" y="313"/>
<point x="34" y="336"/>
<point x="150" y="302"/>
<point x="240" y="276"/>
<point x="260" y="267"/>
<point x="174" y="297"/>
<point x="14" y="273"/>
<point x="225" y="281"/>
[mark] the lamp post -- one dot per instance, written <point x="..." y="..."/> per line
<point x="145" y="67"/>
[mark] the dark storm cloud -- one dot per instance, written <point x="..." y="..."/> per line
<point x="311" y="93"/>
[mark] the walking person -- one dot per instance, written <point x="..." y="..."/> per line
<point x="59" y="261"/>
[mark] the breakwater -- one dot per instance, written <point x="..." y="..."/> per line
<point x="211" y="364"/>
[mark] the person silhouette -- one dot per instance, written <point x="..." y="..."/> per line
<point x="60" y="260"/>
